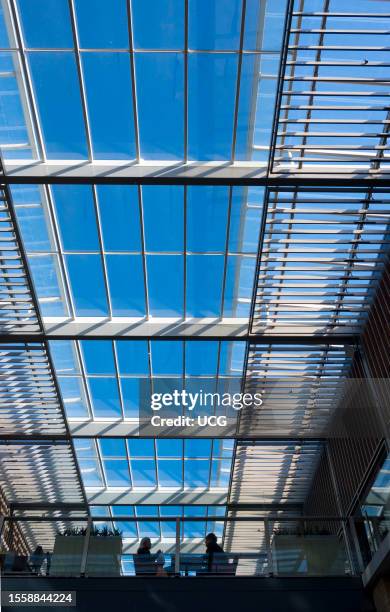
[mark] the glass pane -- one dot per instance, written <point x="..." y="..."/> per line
<point x="109" y="99"/>
<point x="111" y="447"/>
<point x="214" y="25"/>
<point x="13" y="119"/>
<point x="98" y="356"/>
<point x="170" y="473"/>
<point x="264" y="23"/>
<point x="239" y="285"/>
<point x="165" y="282"/>
<point x="158" y="25"/>
<point x="247" y="205"/>
<point x="126" y="281"/>
<point x="197" y="448"/>
<point x="220" y="473"/>
<point x="133" y="390"/>
<point x="160" y="86"/>
<point x="4" y="41"/>
<point x="231" y="360"/>
<point x="104" y="397"/>
<point x="207" y="214"/>
<point x="196" y="473"/>
<point x="64" y="356"/>
<point x="76" y="217"/>
<point x="31" y="218"/>
<point x="143" y="472"/>
<point x="133" y="357"/>
<point x="167" y="357"/>
<point x="73" y="395"/>
<point x="201" y="358"/>
<point x="102" y="24"/>
<point x="140" y="448"/>
<point x="211" y="91"/>
<point x="90" y="473"/>
<point x="87" y="284"/>
<point x="119" y="217"/>
<point x="57" y="91"/>
<point x="163" y="217"/>
<point x="45" y="276"/>
<point x="169" y="448"/>
<point x="117" y="473"/>
<point x="204" y="285"/>
<point x="46" y="23"/>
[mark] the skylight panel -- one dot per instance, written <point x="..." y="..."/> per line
<point x="133" y="358"/>
<point x="158" y="25"/>
<point x="46" y="23"/>
<point x="104" y="397"/>
<point x="107" y="78"/>
<point x="87" y="285"/>
<point x="16" y="136"/>
<point x="45" y="277"/>
<point x="238" y="285"/>
<point x="165" y="285"/>
<point x="170" y="473"/>
<point x="160" y="85"/>
<point x="132" y="390"/>
<point x="119" y="217"/>
<point x="196" y="473"/>
<point x="73" y="395"/>
<point x="204" y="285"/>
<point x="98" y="356"/>
<point x="166" y="358"/>
<point x="75" y="210"/>
<point x="102" y="25"/>
<point x="126" y="285"/>
<point x="211" y="103"/>
<point x="58" y="97"/>
<point x="64" y="356"/>
<point x="163" y="215"/>
<point x="214" y="25"/>
<point x="207" y="217"/>
<point x="201" y="358"/>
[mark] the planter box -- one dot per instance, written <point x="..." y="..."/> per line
<point x="314" y="555"/>
<point x="104" y="556"/>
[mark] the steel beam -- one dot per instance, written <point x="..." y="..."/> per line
<point x="179" y="173"/>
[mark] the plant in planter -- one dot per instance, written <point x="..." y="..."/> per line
<point x="104" y="552"/>
<point x="310" y="550"/>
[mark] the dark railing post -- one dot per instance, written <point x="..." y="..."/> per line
<point x="177" y="548"/>
<point x="86" y="548"/>
<point x="270" y="558"/>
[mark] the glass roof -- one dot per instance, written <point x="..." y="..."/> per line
<point x="136" y="252"/>
<point x="91" y="93"/>
<point x="102" y="380"/>
<point x="132" y="83"/>
<point x="139" y="465"/>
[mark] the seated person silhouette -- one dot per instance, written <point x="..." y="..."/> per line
<point x="144" y="561"/>
<point x="216" y="559"/>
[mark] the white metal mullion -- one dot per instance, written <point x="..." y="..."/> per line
<point x="226" y="253"/>
<point x="56" y="238"/>
<point x="81" y="78"/>
<point x="101" y="246"/>
<point x="122" y="406"/>
<point x="238" y="83"/>
<point x="185" y="152"/>
<point x="144" y="265"/>
<point x="133" y="80"/>
<point x="185" y="195"/>
<point x="84" y="379"/>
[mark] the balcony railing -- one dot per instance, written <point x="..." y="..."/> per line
<point x="273" y="545"/>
